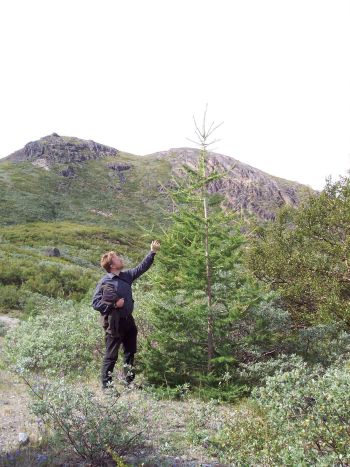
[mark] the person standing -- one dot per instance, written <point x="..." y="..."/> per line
<point x="113" y="299"/>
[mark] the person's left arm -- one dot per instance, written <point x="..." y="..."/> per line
<point x="146" y="263"/>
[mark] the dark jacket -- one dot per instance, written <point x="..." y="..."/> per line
<point x="122" y="284"/>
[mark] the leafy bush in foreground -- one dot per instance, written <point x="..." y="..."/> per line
<point x="300" y="417"/>
<point x="65" y="340"/>
<point x="98" y="429"/>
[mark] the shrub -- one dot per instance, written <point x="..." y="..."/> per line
<point x="310" y="409"/>
<point x="51" y="277"/>
<point x="202" y="418"/>
<point x="3" y="329"/>
<point x="66" y="339"/>
<point x="300" y="417"/>
<point x="304" y="255"/>
<point x="256" y="373"/>
<point x="96" y="429"/>
<point x="323" y="344"/>
<point x="245" y="439"/>
<point x="10" y="296"/>
<point x="35" y="303"/>
<point x="267" y="341"/>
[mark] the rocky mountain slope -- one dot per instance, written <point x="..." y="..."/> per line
<point x="61" y="177"/>
<point x="53" y="149"/>
<point x="246" y="188"/>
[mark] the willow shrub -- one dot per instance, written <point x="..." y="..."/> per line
<point x="10" y="297"/>
<point x="301" y="417"/>
<point x="98" y="429"/>
<point x="64" y="338"/>
<point x="304" y="255"/>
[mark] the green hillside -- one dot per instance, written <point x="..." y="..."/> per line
<point x="26" y="269"/>
<point x="94" y="194"/>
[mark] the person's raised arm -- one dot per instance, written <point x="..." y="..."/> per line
<point x="146" y="263"/>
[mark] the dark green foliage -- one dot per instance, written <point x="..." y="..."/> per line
<point x="175" y="352"/>
<point x="11" y="296"/>
<point x="305" y="255"/>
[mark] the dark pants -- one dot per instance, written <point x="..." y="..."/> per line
<point x="118" y="330"/>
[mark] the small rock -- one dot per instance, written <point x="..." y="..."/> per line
<point x="52" y="252"/>
<point x="119" y="167"/>
<point x="23" y="438"/>
<point x="67" y="172"/>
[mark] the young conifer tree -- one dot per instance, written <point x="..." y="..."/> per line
<point x="202" y="288"/>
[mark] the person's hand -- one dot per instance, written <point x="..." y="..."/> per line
<point x="155" y="245"/>
<point x="120" y="302"/>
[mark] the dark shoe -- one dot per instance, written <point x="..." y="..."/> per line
<point x="131" y="384"/>
<point x="129" y="373"/>
<point x="107" y="384"/>
<point x="110" y="390"/>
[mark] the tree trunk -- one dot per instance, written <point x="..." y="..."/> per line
<point x="210" y="320"/>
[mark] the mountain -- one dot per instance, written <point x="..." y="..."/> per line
<point x="53" y="149"/>
<point x="65" y="201"/>
<point x="59" y="178"/>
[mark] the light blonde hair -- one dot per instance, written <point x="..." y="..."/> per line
<point x="106" y="260"/>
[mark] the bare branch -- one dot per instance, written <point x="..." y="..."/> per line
<point x="217" y="126"/>
<point x="214" y="141"/>
<point x="196" y="125"/>
<point x="210" y="127"/>
<point x="205" y="113"/>
<point x="193" y="141"/>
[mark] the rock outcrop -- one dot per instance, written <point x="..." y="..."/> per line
<point x="245" y="188"/>
<point x="53" y="149"/>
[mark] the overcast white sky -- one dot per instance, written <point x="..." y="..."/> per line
<point x="131" y="74"/>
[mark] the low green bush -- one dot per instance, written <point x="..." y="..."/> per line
<point x="179" y="392"/>
<point x="65" y="338"/>
<point x="3" y="329"/>
<point x="201" y="417"/>
<point x="322" y="343"/>
<point x="48" y="276"/>
<point x="98" y="429"/>
<point x="256" y="373"/>
<point x="245" y="439"/>
<point x="10" y="297"/>
<point x="299" y="417"/>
